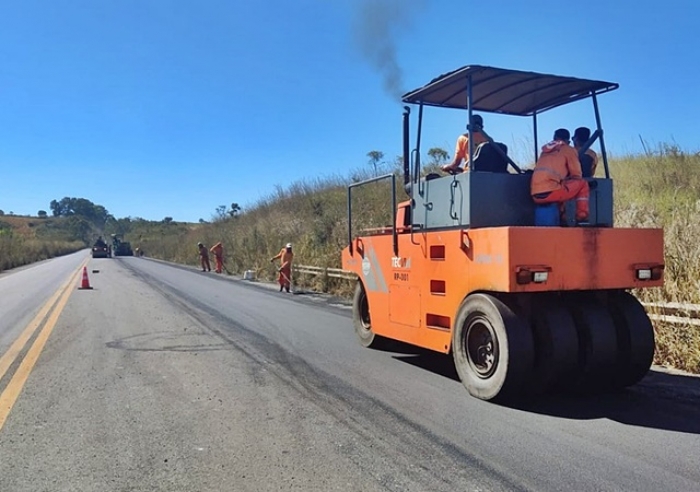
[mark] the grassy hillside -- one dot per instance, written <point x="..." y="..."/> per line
<point x="662" y="189"/>
<point x="24" y="240"/>
<point x="312" y="215"/>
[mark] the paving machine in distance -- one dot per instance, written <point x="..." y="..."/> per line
<point x="120" y="247"/>
<point x="466" y="269"/>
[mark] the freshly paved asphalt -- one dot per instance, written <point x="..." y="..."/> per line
<point x="164" y="378"/>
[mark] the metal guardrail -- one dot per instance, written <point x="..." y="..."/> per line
<point x="668" y="312"/>
<point x="329" y="272"/>
<point x="674" y="312"/>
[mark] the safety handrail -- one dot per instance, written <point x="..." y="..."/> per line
<point x="589" y="142"/>
<point x="392" y="177"/>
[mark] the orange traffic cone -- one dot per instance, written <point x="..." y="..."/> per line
<point x="85" y="284"/>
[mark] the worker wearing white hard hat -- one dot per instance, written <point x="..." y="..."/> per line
<point x="285" y="270"/>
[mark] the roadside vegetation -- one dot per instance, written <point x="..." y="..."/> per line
<point x="25" y="240"/>
<point x="74" y="224"/>
<point x="660" y="188"/>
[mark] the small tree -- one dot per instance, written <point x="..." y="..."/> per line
<point x="438" y="156"/>
<point x="375" y="159"/>
<point x="235" y="210"/>
<point x="220" y="212"/>
<point x="167" y="220"/>
<point x="42" y="214"/>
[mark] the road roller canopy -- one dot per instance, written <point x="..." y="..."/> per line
<point x="497" y="90"/>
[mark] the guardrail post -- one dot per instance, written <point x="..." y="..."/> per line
<point x="324" y="280"/>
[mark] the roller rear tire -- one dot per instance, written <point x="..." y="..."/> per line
<point x="635" y="336"/>
<point x="556" y="343"/>
<point x="492" y="349"/>
<point x="597" y="344"/>
<point x="362" y="321"/>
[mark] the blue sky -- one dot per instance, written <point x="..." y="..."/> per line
<point x="158" y="108"/>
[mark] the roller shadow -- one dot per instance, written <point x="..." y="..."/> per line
<point x="662" y="400"/>
<point x="437" y="363"/>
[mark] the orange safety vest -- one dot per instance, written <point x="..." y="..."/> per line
<point x="217" y="249"/>
<point x="285" y="257"/>
<point x="557" y="162"/>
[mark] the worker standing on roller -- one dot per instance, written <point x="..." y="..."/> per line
<point x="218" y="251"/>
<point x="285" y="270"/>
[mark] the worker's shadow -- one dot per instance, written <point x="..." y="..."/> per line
<point x="661" y="400"/>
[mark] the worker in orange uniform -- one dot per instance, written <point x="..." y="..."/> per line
<point x="285" y="270"/>
<point x="218" y="251"/>
<point x="581" y="136"/>
<point x="204" y="257"/>
<point x="557" y="176"/>
<point x="462" y="147"/>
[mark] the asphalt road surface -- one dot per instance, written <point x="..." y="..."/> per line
<point x="164" y="378"/>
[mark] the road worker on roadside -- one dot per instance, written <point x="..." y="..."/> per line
<point x="218" y="251"/>
<point x="285" y="270"/>
<point x="557" y="176"/>
<point x="589" y="160"/>
<point x="204" y="257"/>
<point x="462" y="147"/>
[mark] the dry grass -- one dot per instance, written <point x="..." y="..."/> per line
<point x="310" y="214"/>
<point x="678" y="346"/>
<point x="25" y="240"/>
<point x="662" y="189"/>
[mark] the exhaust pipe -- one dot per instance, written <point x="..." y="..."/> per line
<point x="406" y="148"/>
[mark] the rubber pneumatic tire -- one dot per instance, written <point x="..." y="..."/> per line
<point x="487" y="329"/>
<point x="361" y="319"/>
<point x="597" y="344"/>
<point x="556" y="343"/>
<point x="635" y="336"/>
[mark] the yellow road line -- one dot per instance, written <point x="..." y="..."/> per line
<point x="9" y="357"/>
<point x="14" y="387"/>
